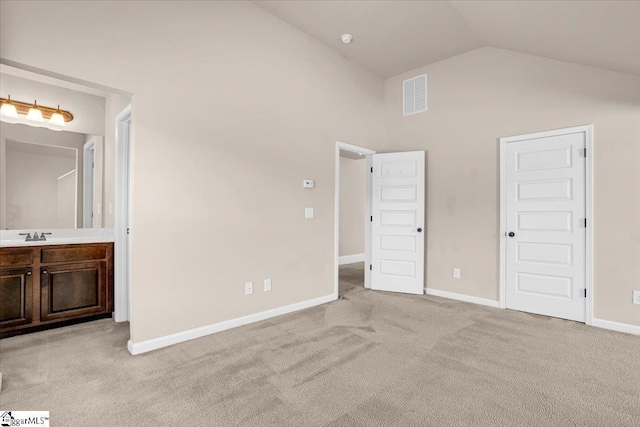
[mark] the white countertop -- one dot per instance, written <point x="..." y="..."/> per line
<point x="11" y="238"/>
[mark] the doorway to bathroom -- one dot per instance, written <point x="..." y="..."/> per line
<point x="352" y="210"/>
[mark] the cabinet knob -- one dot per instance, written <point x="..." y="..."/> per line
<point x="28" y="273"/>
<point x="44" y="271"/>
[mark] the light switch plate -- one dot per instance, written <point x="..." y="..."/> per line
<point x="307" y="183"/>
<point x="308" y="213"/>
<point x="248" y="288"/>
<point x="636" y="297"/>
<point x="456" y="273"/>
<point x="267" y="285"/>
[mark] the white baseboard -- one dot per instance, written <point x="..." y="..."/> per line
<point x="350" y="259"/>
<point x="461" y="297"/>
<point x="156" y="343"/>
<point x="598" y="323"/>
<point x="615" y="326"/>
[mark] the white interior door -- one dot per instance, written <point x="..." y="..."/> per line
<point x="397" y="217"/>
<point x="545" y="225"/>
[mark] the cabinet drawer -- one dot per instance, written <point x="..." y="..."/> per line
<point x="15" y="257"/>
<point x="73" y="253"/>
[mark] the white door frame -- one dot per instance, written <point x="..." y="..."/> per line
<point x="92" y="170"/>
<point x="87" y="183"/>
<point x="122" y="252"/>
<point x="367" y="232"/>
<point x="588" y="131"/>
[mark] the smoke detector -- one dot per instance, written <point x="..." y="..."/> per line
<point x="346" y="38"/>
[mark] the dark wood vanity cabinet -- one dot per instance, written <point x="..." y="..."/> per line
<point x="46" y="286"/>
<point x="16" y="297"/>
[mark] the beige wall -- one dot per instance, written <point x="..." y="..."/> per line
<point x="232" y="110"/>
<point x="352" y="206"/>
<point x="476" y="98"/>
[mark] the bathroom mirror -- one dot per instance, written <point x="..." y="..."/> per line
<point x="49" y="179"/>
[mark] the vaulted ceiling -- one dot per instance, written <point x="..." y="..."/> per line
<point x="391" y="37"/>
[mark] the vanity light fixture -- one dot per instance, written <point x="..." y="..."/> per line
<point x="34" y="112"/>
<point x="8" y="108"/>
<point x="57" y="118"/>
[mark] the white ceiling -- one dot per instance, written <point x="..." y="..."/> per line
<point x="391" y="37"/>
<point x="351" y="155"/>
<point x="43" y="150"/>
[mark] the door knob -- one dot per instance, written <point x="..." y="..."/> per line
<point x="419" y="230"/>
<point x="511" y="234"/>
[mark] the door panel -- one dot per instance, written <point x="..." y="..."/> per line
<point x="545" y="266"/>
<point x="544" y="253"/>
<point x="16" y="302"/>
<point x="397" y="208"/>
<point x="73" y="290"/>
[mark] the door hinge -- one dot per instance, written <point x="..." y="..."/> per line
<point x="371" y="218"/>
<point x="127" y="230"/>
<point x="585" y="223"/>
<point x="370" y="266"/>
<point x="371" y="169"/>
<point x="585" y="153"/>
<point x="585" y="292"/>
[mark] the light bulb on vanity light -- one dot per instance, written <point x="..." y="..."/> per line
<point x="8" y="109"/>
<point x="34" y="113"/>
<point x="57" y="118"/>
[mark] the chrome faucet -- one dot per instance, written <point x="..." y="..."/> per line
<point x="35" y="237"/>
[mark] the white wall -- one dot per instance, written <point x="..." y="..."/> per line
<point x="88" y="110"/>
<point x="232" y="110"/>
<point x="352" y="206"/>
<point x="478" y="97"/>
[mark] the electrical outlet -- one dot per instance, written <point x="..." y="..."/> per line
<point x="456" y="273"/>
<point x="636" y="297"/>
<point x="248" y="288"/>
<point x="267" y="285"/>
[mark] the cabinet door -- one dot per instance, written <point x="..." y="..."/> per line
<point x="16" y="302"/>
<point x="73" y="290"/>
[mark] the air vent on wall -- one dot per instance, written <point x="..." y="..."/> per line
<point x="414" y="95"/>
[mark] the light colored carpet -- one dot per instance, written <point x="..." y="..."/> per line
<point x="368" y="359"/>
